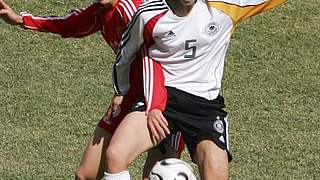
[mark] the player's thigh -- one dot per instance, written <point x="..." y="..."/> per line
<point x="93" y="160"/>
<point x="132" y="137"/>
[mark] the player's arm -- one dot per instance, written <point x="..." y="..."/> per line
<point x="130" y="44"/>
<point x="78" y="23"/>
<point x="239" y="10"/>
<point x="154" y="90"/>
<point x="155" y="98"/>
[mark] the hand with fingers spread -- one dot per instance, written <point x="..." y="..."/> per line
<point x="114" y="106"/>
<point x="8" y="15"/>
<point x="158" y="125"/>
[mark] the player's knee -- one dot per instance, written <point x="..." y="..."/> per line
<point x="115" y="158"/>
<point x="112" y="156"/>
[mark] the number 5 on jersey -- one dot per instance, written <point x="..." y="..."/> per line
<point x="190" y="47"/>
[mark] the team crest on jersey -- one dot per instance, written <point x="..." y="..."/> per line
<point x="212" y="28"/>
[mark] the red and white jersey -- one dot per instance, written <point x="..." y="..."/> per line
<point x="188" y="52"/>
<point x="83" y="22"/>
<point x="111" y="23"/>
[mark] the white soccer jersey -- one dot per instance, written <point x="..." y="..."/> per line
<point x="188" y="52"/>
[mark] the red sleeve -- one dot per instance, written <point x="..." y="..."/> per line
<point x="158" y="98"/>
<point x="153" y="81"/>
<point x="154" y="88"/>
<point x="78" y="23"/>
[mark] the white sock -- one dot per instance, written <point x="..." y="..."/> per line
<point x="124" y="175"/>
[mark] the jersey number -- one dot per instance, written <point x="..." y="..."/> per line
<point x="190" y="45"/>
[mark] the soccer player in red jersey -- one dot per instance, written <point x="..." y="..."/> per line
<point x="110" y="19"/>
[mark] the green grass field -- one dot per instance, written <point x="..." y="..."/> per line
<point x="53" y="92"/>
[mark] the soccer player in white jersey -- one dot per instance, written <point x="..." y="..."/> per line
<point x="110" y="19"/>
<point x="184" y="44"/>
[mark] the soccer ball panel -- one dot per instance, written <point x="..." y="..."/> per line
<point x="172" y="169"/>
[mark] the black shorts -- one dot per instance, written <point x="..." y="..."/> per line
<point x="197" y="118"/>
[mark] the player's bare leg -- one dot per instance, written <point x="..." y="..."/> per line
<point x="131" y="139"/>
<point x="212" y="161"/>
<point x="93" y="162"/>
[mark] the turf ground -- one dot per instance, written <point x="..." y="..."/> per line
<point x="53" y="91"/>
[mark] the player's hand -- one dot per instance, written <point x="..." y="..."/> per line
<point x="107" y="3"/>
<point x="114" y="105"/>
<point x="8" y="15"/>
<point x="157" y="124"/>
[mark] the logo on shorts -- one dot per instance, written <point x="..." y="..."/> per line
<point x="139" y="104"/>
<point x="218" y="126"/>
<point x="221" y="138"/>
<point x="212" y="28"/>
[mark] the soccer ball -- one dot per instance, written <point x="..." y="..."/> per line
<point x="172" y="169"/>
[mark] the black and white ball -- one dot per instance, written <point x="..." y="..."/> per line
<point x="172" y="169"/>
